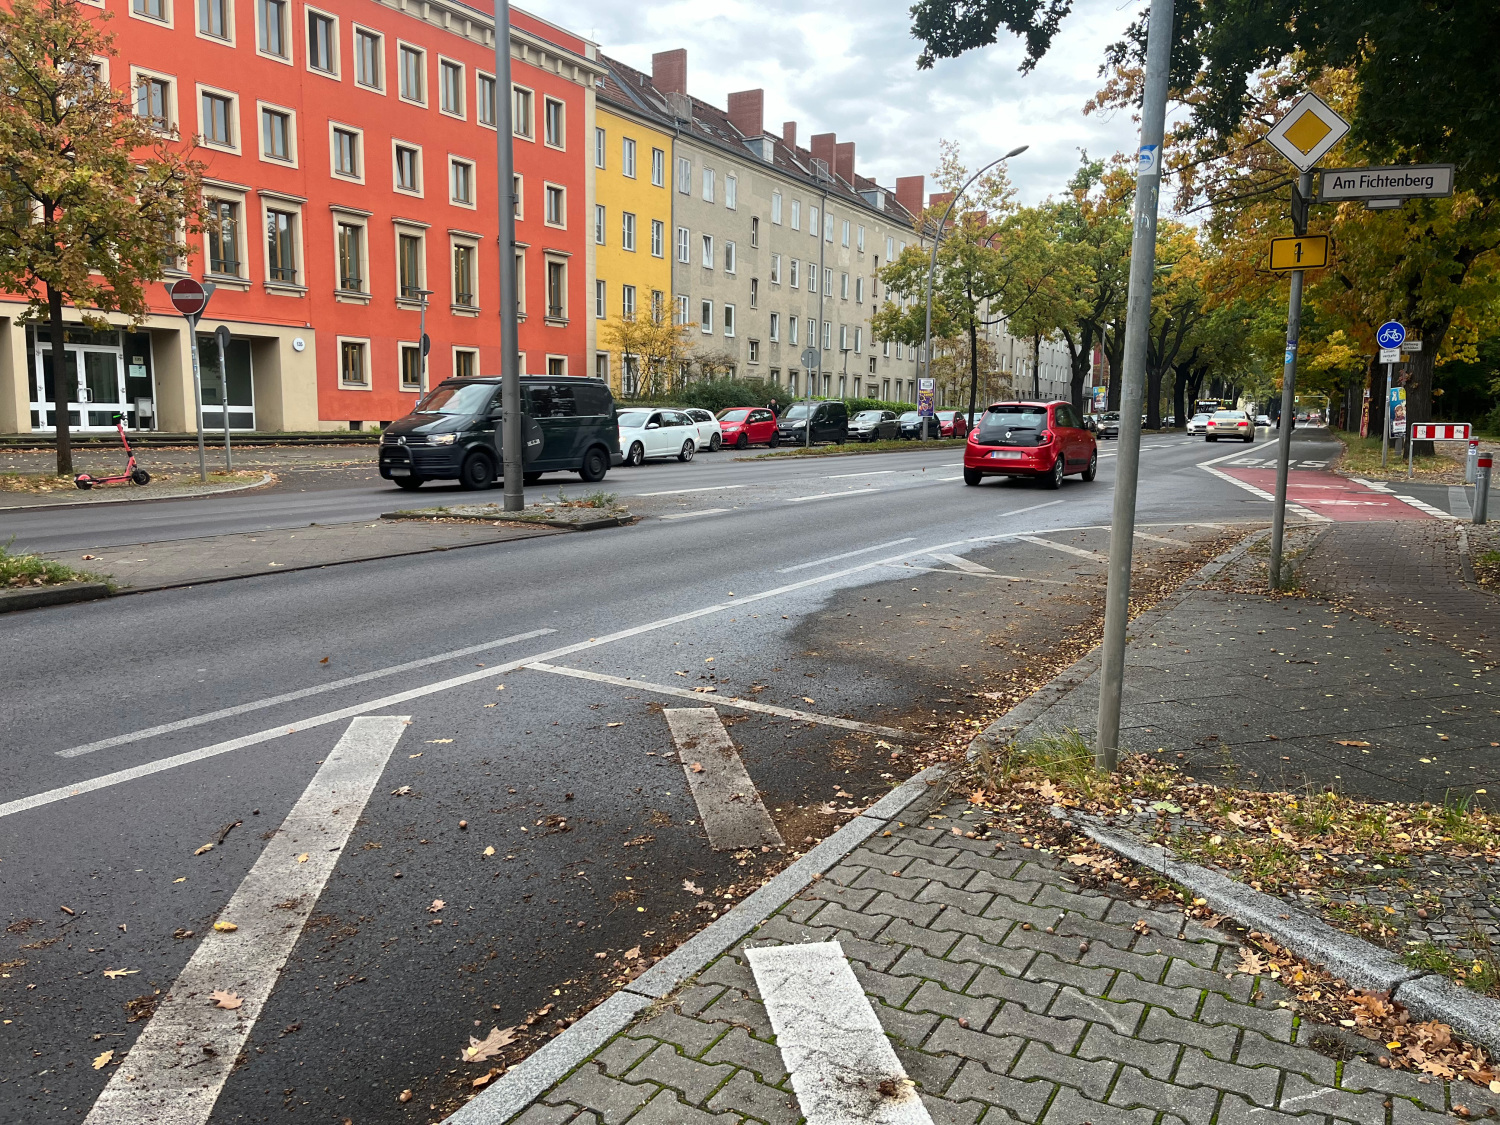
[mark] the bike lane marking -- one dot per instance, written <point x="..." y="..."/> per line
<point x="729" y="805"/>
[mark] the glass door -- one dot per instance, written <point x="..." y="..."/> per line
<point x="96" y="378"/>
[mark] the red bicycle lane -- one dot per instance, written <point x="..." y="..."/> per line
<point x="1325" y="494"/>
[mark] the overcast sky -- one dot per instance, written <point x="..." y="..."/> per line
<point x="862" y="82"/>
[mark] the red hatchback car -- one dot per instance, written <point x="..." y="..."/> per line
<point x="1046" y="440"/>
<point x="744" y="426"/>
<point x="951" y="423"/>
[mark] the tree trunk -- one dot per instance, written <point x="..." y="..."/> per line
<point x="1419" y="366"/>
<point x="973" y="367"/>
<point x="1153" y="398"/>
<point x="1079" y="362"/>
<point x="1114" y="352"/>
<point x="1179" y="396"/>
<point x="63" y="394"/>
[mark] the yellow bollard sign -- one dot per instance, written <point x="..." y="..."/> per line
<point x="1309" y="252"/>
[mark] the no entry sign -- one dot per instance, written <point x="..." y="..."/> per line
<point x="189" y="297"/>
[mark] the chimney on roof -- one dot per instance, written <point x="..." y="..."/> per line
<point x="669" y="71"/>
<point x="843" y="161"/>
<point x="823" y="146"/>
<point x="789" y="134"/>
<point x="940" y="199"/>
<point x="747" y="112"/>
<point x="909" y="191"/>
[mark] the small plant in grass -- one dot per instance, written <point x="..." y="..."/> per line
<point x="17" y="571"/>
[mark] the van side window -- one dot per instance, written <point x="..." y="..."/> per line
<point x="563" y="405"/>
<point x="593" y="400"/>
<point x="539" y="400"/>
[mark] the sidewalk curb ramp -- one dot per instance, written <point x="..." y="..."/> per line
<point x="34" y="597"/>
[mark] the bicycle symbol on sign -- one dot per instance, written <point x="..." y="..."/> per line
<point x="1390" y="335"/>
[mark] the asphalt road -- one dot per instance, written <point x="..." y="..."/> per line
<point x="139" y="730"/>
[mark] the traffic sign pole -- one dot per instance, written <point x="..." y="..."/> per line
<point x="1385" y="430"/>
<point x="1288" y="386"/>
<point x="221" y="337"/>
<point x="190" y="298"/>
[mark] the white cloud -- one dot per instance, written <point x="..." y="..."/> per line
<point x="862" y="81"/>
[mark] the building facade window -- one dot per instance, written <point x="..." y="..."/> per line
<point x="276" y="134"/>
<point x="859" y="290"/>
<point x="465" y="363"/>
<point x="322" y="48"/>
<point x="409" y="266"/>
<point x="658" y="238"/>
<point x="152" y="9"/>
<point x="214" y="19"/>
<point x="463" y="277"/>
<point x="658" y="167"/>
<point x="601" y="297"/>
<point x="218" y="120"/>
<point x="775" y="327"/>
<point x="731" y="191"/>
<point x="776" y="208"/>
<point x="843" y="286"/>
<point x="684" y="240"/>
<point x="411" y="367"/>
<point x="706" y="317"/>
<point x="346" y="152"/>
<point x="554" y="123"/>
<point x="599" y="224"/>
<point x="270" y="16"/>
<point x="461" y="182"/>
<point x="754" y="232"/>
<point x="408" y="169"/>
<point x="796" y="215"/>
<point x="153" y="101"/>
<point x="351" y="257"/>
<point x="484" y="95"/>
<point x="451" y="87"/>
<point x="684" y="175"/>
<point x="844" y="239"/>
<point x="521" y="123"/>
<point x="557" y="290"/>
<point x="281" y="246"/>
<point x="368" y="59"/>
<point x="557" y="366"/>
<point x="601" y="141"/>
<point x="557" y="211"/>
<point x="413" y="85"/>
<point x="627" y="157"/>
<point x="812" y="278"/>
<point x="627" y="301"/>
<point x="730" y="259"/>
<point x="729" y="320"/>
<point x="754" y="292"/>
<point x="627" y="231"/>
<point x="709" y="180"/>
<point x="794" y="272"/>
<point x="859" y="240"/>
<point x="827" y="335"/>
<point x="353" y="368"/>
<point x="754" y="353"/>
<point x="791" y="329"/>
<point x="224" y="237"/>
<point x="775" y="269"/>
<point x="708" y="252"/>
<point x="682" y="310"/>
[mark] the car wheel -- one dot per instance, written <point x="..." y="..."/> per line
<point x="637" y="455"/>
<point x="477" y="474"/>
<point x="411" y="484"/>
<point x="1249" y="437"/>
<point x="774" y="442"/>
<point x="531" y="478"/>
<point x="687" y="451"/>
<point x="1093" y="470"/>
<point x="972" y="476"/>
<point x="595" y="465"/>
<point x="1054" y="479"/>
<point x="1210" y="437"/>
<point x="714" y="442"/>
<point x="743" y="441"/>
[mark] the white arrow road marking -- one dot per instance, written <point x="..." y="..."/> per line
<point x="1093" y="556"/>
<point x="1162" y="539"/>
<point x="727" y="701"/>
<point x="178" y="1066"/>
<point x="960" y="562"/>
<point x="728" y="802"/>
<point x="843" y="1068"/>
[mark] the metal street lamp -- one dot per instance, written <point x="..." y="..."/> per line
<point x="932" y="266"/>
<point x="510" y="347"/>
<point x="423" y="345"/>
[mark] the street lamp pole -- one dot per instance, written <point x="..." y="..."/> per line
<point x="510" y="345"/>
<point x="932" y="265"/>
<point x="423" y="345"/>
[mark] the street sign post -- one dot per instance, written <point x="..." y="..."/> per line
<point x="1390" y="182"/>
<point x="812" y="359"/>
<point x="1309" y="252"/>
<point x="221" y="337"/>
<point x="190" y="297"/>
<point x="1390" y="337"/>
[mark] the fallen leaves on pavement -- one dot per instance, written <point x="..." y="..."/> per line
<point x="114" y="974"/>
<point x="691" y="887"/>
<point x="696" y="767"/>
<point x="437" y="904"/>
<point x="203" y="849"/>
<point x="482" y="1050"/>
<point x="102" y="1061"/>
<point x="223" y="999"/>
<point x="225" y="927"/>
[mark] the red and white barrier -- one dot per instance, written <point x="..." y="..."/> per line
<point x="1440" y="431"/>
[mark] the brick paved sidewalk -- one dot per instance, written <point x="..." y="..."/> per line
<point x="997" y="1019"/>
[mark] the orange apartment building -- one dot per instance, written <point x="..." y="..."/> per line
<point x="350" y="148"/>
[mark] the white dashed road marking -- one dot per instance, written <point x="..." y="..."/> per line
<point x="680" y="491"/>
<point x="730" y="806"/>
<point x="830" y="495"/>
<point x="1092" y="556"/>
<point x="843" y="1068"/>
<point x="845" y="555"/>
<point x="872" y="473"/>
<point x="960" y="562"/>
<point x="688" y="515"/>
<point x="178" y="1066"/>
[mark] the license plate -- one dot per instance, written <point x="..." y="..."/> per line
<point x="399" y="472"/>
<point x="1007" y="455"/>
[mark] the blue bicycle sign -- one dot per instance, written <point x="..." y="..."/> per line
<point x="1390" y="334"/>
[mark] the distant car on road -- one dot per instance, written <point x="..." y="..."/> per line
<point x="657" y="433"/>
<point x="710" y="437"/>
<point x="828" y="421"/>
<point x="1229" y="424"/>
<point x="874" y="425"/>
<point x="744" y="426"/>
<point x="1198" y="423"/>
<point x="1046" y="440"/>
<point x="1105" y="424"/>
<point x="1262" y="420"/>
<point x="953" y="424"/>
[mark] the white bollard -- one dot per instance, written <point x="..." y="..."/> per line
<point x="1471" y="465"/>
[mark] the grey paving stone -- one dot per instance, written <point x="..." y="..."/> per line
<point x="993" y="883"/>
<point x="1025" y="1100"/>
<point x="907" y="1028"/>
<point x="1182" y="974"/>
<point x="955" y="876"/>
<point x="743" y="1094"/>
<point x="1013" y="1019"/>
<point x="1034" y="871"/>
<point x="1063" y="948"/>
<point x="1196" y="1107"/>
<point x="781" y="930"/>
<point x="893" y="990"/>
<point x="1235" y="1110"/>
<point x="1090" y="906"/>
<point x="1360" y="1075"/>
<point x="621" y="1054"/>
<point x="695" y="1080"/>
<point x="1080" y="926"/>
<point x="666" y="1109"/>
<point x="901" y="933"/>
<point x="539" y="1114"/>
<point x="1093" y="980"/>
<point x="992" y="929"/>
<point x="931" y="1072"/>
<point x="845" y="872"/>
<point x="1258" y="1084"/>
<point x="895" y="885"/>
<point x="922" y="913"/>
<point x="906" y="846"/>
<point x="741" y="1010"/>
<point x="1179" y="1001"/>
<point x="1404" y="1112"/>
<point x="801" y="909"/>
<point x="932" y="997"/>
<point x="1123" y="1018"/>
<point x="1274" y="1023"/>
<point x="1162" y="1025"/>
<point x="1204" y="954"/>
<point x="954" y="974"/>
<point x="741" y="1049"/>
<point x="1155" y="1059"/>
<point x="973" y="948"/>
<point x="854" y="897"/>
<point x="1031" y="994"/>
<point x="1072" y="1108"/>
<point x="944" y="1112"/>
<point x="729" y="971"/>
<point x="696" y="997"/>
<point x="611" y="1099"/>
<point x="1257" y="1050"/>
<point x="864" y="925"/>
<point x="970" y="902"/>
<point x="1040" y="1061"/>
<point x="1147" y="968"/>
<point x="876" y="954"/>
<point x="996" y="1052"/>
<point x="1298" y="1095"/>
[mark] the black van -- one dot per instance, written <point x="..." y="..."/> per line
<point x="830" y="422"/>
<point x="455" y="432"/>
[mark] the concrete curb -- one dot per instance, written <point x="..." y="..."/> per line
<point x="562" y="525"/>
<point x="34" y="597"/>
<point x="137" y="498"/>
<point x="510" y="1094"/>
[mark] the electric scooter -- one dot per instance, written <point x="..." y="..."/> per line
<point x="133" y="473"/>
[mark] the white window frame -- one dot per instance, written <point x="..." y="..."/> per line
<point x="402" y="48"/>
<point x="729" y="321"/>
<point x="464" y="349"/>
<point x="481" y="103"/>
<point x="681" y="302"/>
<point x="551" y="260"/>
<point x="731" y="257"/>
<point x="706" y="316"/>
<point x="520" y="190"/>
<point x="859" y="239"/>
<point x="289" y="32"/>
<point x="776" y="207"/>
<point x="334" y="128"/>
<point x="627" y="231"/>
<point x="843" y="286"/>
<point x="731" y="191"/>
<point x="138" y="73"/>
<point x="827" y="227"/>
<point x="562" y="118"/>
<point x="755" y="292"/>
<point x="812" y="278"/>
<point x="684" y="176"/>
<point x="379" y="37"/>
<point x="709" y="179"/>
<point x="462" y="112"/>
<point x="363" y="344"/>
<point x="601" y="299"/>
<point x="548" y="189"/>
<point x="753" y="351"/>
<point x="601" y="224"/>
<point x="791" y="329"/>
<point x="419" y="232"/>
<point x="228" y="38"/>
<point x="463" y="162"/>
<point x="658" y="167"/>
<point x="844" y="235"/>
<point x="812" y="221"/>
<point x="775" y="328"/>
<point x="359" y="222"/>
<point x="261" y="107"/>
<point x="601" y="144"/>
<point x="284" y="204"/>
<point x="516" y="117"/>
<point x="166" y="19"/>
<point x="794" y="274"/>
<point x="859" y="290"/>
<point x="684" y="246"/>
<point x="658" y="238"/>
<point x="420" y="190"/>
<point x="775" y="269"/>
<point x="469" y="242"/>
<point x="216" y="194"/>
<point x="627" y="300"/>
<point x="707" y="257"/>
<point x="334" y="44"/>
<point x="796" y="214"/>
<point x="627" y="157"/>
<point x="233" y="118"/>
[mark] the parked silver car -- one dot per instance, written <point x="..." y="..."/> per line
<point x="874" y="425"/>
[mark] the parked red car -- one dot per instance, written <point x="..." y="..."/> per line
<point x="952" y="423"/>
<point x="744" y="426"/>
<point x="1046" y="440"/>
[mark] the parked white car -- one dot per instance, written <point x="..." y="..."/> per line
<point x="710" y="435"/>
<point x="656" y="433"/>
<point x="1198" y="424"/>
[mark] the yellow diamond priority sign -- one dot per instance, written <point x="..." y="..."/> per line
<point x="1308" y="131"/>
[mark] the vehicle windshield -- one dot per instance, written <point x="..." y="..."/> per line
<point x="796" y="410"/>
<point x="1112" y="416"/>
<point x="867" y="416"/>
<point x="910" y="416"/>
<point x="460" y="398"/>
<point x="634" y="419"/>
<point x="734" y="415"/>
<point x="1200" y="417"/>
<point x="1229" y="415"/>
<point x="998" y="419"/>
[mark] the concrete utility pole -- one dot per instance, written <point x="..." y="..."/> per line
<point x="1133" y="380"/>
<point x="1300" y="195"/>
<point x="510" y="344"/>
<point x="822" y="312"/>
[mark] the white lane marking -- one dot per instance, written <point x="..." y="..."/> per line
<point x="950" y="478"/>
<point x="1006" y="534"/>
<point x="680" y="491"/>
<point x="288" y="697"/>
<point x="845" y="555"/>
<point x="168" y="1075"/>
<point x="872" y="473"/>
<point x="830" y="495"/>
<point x="689" y="515"/>
<point x="722" y="701"/>
<point x="1003" y="577"/>
<point x="832" y="1044"/>
<point x="1094" y="556"/>
<point x="1305" y="513"/>
<point x="1161" y="539"/>
<point x="960" y="562"/>
<point x="728" y="803"/>
<point x="1423" y="506"/>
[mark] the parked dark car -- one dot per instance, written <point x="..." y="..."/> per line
<point x="567" y="425"/>
<point x="829" y="422"/>
<point x="911" y="425"/>
<point x="874" y="425"/>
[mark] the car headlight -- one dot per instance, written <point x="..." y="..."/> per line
<point x="443" y="439"/>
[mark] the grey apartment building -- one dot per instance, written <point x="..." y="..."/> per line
<point x="775" y="248"/>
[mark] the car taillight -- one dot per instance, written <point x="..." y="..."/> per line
<point x="974" y="436"/>
<point x="1045" y="439"/>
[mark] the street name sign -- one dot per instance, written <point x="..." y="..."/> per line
<point x="1387" y="182"/>
<point x="1309" y="252"/>
<point x="1308" y="130"/>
